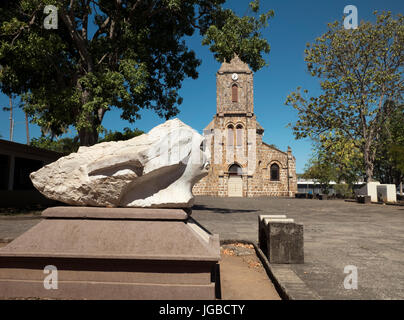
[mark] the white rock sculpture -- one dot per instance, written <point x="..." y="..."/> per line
<point x="157" y="169"/>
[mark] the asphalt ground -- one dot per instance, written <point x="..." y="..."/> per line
<point x="337" y="234"/>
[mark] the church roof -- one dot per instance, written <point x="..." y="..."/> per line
<point x="272" y="147"/>
<point x="235" y="65"/>
<point x="210" y="126"/>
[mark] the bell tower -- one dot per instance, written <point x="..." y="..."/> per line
<point x="242" y="164"/>
<point x="234" y="85"/>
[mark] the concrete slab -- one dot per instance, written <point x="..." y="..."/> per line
<point x="110" y="253"/>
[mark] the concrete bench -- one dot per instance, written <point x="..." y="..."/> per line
<point x="262" y="238"/>
<point x="281" y="239"/>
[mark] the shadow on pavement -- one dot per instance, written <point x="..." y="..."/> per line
<point x="221" y="210"/>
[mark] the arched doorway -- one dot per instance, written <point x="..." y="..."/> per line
<point x="235" y="182"/>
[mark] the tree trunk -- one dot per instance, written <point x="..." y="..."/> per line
<point x="369" y="172"/>
<point x="368" y="163"/>
<point x="88" y="136"/>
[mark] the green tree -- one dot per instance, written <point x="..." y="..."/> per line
<point x="63" y="145"/>
<point x="321" y="172"/>
<point x="118" y="136"/>
<point x="389" y="164"/>
<point x="68" y="145"/>
<point x="335" y="159"/>
<point x="343" y="155"/>
<point x="360" y="69"/>
<point x="136" y="57"/>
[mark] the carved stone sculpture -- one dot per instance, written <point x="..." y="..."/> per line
<point x="157" y="169"/>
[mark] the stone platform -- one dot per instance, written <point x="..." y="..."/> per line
<point x="113" y="253"/>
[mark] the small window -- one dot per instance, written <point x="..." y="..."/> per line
<point x="274" y="172"/>
<point x="234" y="93"/>
<point x="230" y="135"/>
<point x="239" y="135"/>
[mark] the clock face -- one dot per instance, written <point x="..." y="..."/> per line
<point x="234" y="76"/>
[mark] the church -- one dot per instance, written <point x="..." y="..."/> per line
<point x="242" y="165"/>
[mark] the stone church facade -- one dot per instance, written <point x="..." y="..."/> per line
<point x="242" y="165"/>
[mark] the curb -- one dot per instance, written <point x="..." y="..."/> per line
<point x="6" y="240"/>
<point x="16" y="217"/>
<point x="282" y="291"/>
<point x="286" y="281"/>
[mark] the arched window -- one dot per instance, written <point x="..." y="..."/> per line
<point x="234" y="93"/>
<point x="274" y="172"/>
<point x="239" y="135"/>
<point x="230" y="135"/>
<point x="235" y="169"/>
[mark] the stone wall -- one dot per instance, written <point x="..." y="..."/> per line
<point x="256" y="178"/>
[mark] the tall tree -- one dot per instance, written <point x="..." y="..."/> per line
<point x="360" y="70"/>
<point x="129" y="54"/>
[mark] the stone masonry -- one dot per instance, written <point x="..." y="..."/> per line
<point x="241" y="162"/>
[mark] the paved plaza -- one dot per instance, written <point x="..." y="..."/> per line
<point x="13" y="226"/>
<point x="336" y="234"/>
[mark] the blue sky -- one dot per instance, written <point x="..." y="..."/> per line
<point x="295" y="23"/>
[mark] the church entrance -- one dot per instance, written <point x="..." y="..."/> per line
<point x="235" y="182"/>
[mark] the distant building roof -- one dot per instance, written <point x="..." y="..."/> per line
<point x="26" y="151"/>
<point x="314" y="181"/>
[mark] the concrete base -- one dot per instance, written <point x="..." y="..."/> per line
<point x="285" y="242"/>
<point x="364" y="199"/>
<point x="387" y="193"/>
<point x="118" y="253"/>
<point x="369" y="189"/>
<point x="281" y="239"/>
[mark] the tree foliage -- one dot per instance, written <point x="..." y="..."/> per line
<point x="320" y="171"/>
<point x="361" y="72"/>
<point x="389" y="163"/>
<point x="64" y="145"/>
<point x="68" y="145"/>
<point x="120" y="136"/>
<point x="335" y="159"/>
<point x="128" y="54"/>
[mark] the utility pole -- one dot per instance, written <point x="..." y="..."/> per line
<point x="27" y="128"/>
<point x="11" y="119"/>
